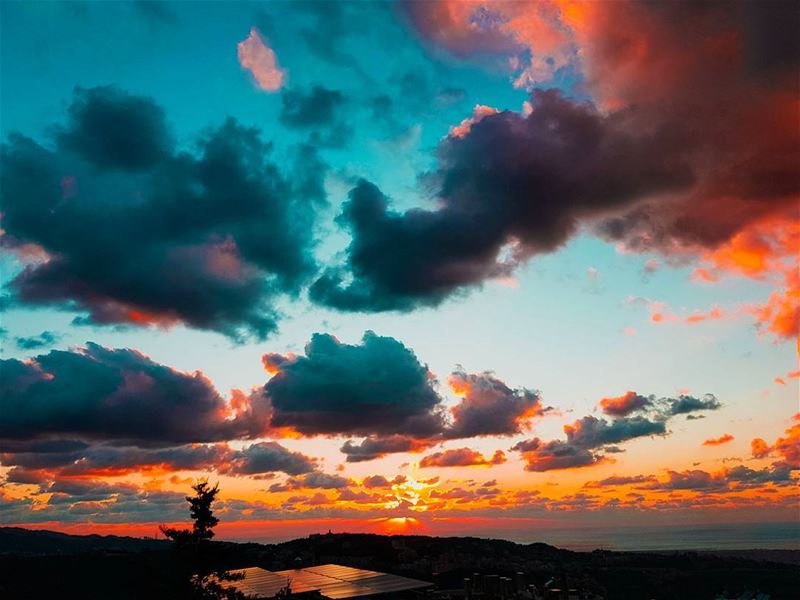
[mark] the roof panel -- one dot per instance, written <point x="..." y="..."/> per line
<point x="333" y="581"/>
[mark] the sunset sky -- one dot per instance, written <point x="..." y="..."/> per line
<point x="432" y="267"/>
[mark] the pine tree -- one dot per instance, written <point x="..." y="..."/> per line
<point x="195" y="552"/>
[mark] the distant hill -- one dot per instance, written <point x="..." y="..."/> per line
<point x="30" y="542"/>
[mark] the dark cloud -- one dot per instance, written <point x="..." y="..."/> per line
<point x="266" y="457"/>
<point x="377" y="447"/>
<point x="315" y="480"/>
<point x="72" y="500"/>
<point x="590" y="440"/>
<point x="615" y="480"/>
<point x="691" y="148"/>
<point x="315" y="107"/>
<point x="585" y="441"/>
<point x="155" y="12"/>
<point x="377" y="387"/>
<point x="779" y="474"/>
<point x="462" y="457"/>
<point x="90" y="490"/>
<point x="333" y="23"/>
<point x="113" y="459"/>
<point x="662" y="408"/>
<point x="555" y="454"/>
<point x="101" y="127"/>
<point x="689" y="404"/>
<point x="490" y="407"/>
<point x="34" y="342"/>
<point x="319" y="111"/>
<point x="57" y="460"/>
<point x="42" y="446"/>
<point x="513" y="184"/>
<point x="101" y="393"/>
<point x="462" y="496"/>
<point x="379" y="481"/>
<point x="740" y="477"/>
<point x="727" y="114"/>
<point x="26" y="476"/>
<point x="591" y="432"/>
<point x="137" y="231"/>
<point x="359" y="497"/>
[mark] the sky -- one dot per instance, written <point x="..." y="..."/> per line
<point x="434" y="267"/>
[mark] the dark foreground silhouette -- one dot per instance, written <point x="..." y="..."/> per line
<point x="43" y="564"/>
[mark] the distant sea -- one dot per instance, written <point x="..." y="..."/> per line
<point x="726" y="536"/>
<point x="737" y="536"/>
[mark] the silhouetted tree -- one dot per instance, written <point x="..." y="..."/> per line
<point x="195" y="552"/>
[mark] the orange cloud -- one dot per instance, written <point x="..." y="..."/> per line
<point x="467" y="28"/>
<point x="787" y="446"/>
<point x="260" y="60"/>
<point x="719" y="441"/>
<point x="759" y="448"/>
<point x="623" y="405"/>
<point x="714" y="314"/>
<point x="661" y="313"/>
<point x="766" y="249"/>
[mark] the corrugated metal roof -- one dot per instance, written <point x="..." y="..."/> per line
<point x="332" y="581"/>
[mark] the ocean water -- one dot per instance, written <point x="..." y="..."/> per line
<point x="736" y="536"/>
<point x="728" y="536"/>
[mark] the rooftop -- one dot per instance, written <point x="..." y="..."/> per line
<point x="332" y="581"/>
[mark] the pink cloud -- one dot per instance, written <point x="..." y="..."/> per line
<point x="260" y="60"/>
<point x="478" y="113"/>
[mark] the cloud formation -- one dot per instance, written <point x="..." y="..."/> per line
<point x="371" y="448"/>
<point x="318" y="110"/>
<point x="377" y="387"/>
<point x="260" y="60"/>
<point x="268" y="457"/>
<point x="40" y="462"/>
<point x="699" y="162"/>
<point x="590" y="440"/>
<point x="101" y="393"/>
<point x="739" y="477"/>
<point x="35" y="342"/>
<point x="723" y="439"/>
<point x="624" y="405"/>
<point x="462" y="457"/>
<point x="786" y="447"/>
<point x="512" y="183"/>
<point x="218" y="235"/>
<point x="489" y="407"/>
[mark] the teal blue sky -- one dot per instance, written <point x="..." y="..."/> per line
<point x="560" y="330"/>
<point x="573" y="321"/>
